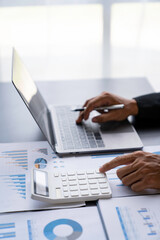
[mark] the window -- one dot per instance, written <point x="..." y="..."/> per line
<point x="82" y="39"/>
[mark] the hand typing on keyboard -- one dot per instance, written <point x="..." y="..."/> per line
<point x="74" y="136"/>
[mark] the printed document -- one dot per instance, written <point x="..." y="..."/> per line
<point x="131" y="218"/>
<point x="77" y="223"/>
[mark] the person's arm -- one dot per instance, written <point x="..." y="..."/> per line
<point x="142" y="170"/>
<point x="148" y="107"/>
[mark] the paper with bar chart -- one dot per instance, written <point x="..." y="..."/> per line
<point x="16" y="161"/>
<point x="134" y="218"/>
<point x="58" y="224"/>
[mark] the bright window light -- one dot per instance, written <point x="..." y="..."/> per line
<point x="57" y="41"/>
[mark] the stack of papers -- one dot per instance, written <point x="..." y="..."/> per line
<point x="134" y="216"/>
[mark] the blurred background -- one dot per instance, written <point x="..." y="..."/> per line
<point x="82" y="39"/>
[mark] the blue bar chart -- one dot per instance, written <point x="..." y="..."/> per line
<point x="16" y="158"/>
<point x="16" y="182"/>
<point x="7" y="230"/>
<point x="147" y="221"/>
<point x="146" y="225"/>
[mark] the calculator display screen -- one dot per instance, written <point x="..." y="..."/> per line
<point x="41" y="183"/>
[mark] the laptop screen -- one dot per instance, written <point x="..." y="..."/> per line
<point x="30" y="95"/>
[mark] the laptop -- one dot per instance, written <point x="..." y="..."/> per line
<point x="58" y="124"/>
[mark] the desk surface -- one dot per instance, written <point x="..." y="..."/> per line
<point x="17" y="125"/>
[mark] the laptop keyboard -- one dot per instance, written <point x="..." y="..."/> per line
<point x="75" y="136"/>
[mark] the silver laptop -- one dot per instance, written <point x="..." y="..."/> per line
<point x="58" y="122"/>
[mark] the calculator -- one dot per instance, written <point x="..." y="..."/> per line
<point x="69" y="186"/>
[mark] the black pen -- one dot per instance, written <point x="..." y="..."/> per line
<point x="112" y="107"/>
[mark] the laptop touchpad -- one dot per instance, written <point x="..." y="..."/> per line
<point x="116" y="127"/>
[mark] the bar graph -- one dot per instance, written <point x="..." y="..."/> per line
<point x="16" y="182"/>
<point x="16" y="158"/>
<point x="142" y="223"/>
<point x="7" y="230"/>
<point x="147" y="221"/>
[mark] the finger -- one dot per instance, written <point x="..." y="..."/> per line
<point x="92" y="104"/>
<point x="139" y="186"/>
<point x="124" y="171"/>
<point x="87" y="101"/>
<point x="121" y="160"/>
<point x="80" y="117"/>
<point x="148" y="181"/>
<point x="89" y="108"/>
<point x="131" y="178"/>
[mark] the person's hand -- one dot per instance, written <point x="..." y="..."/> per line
<point x="142" y="170"/>
<point x="107" y="99"/>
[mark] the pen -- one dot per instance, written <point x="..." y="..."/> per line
<point x="112" y="107"/>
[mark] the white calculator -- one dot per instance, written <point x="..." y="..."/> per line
<point x="69" y="186"/>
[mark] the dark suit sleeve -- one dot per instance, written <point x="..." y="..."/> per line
<point x="149" y="107"/>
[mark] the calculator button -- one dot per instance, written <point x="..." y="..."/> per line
<point x="102" y="180"/>
<point x="64" y="184"/>
<point x="80" y="172"/>
<point x="91" y="176"/>
<point x="63" y="174"/>
<point x="92" y="181"/>
<point x="66" y="194"/>
<point x="71" y="178"/>
<point x="100" y="175"/>
<point x="95" y="192"/>
<point x="81" y="177"/>
<point x="73" y="188"/>
<point x="104" y="191"/>
<point x="90" y="172"/>
<point x="72" y="183"/>
<point x="84" y="193"/>
<point x="74" y="193"/>
<point x="58" y="192"/>
<point x="71" y="173"/>
<point x="64" y="179"/>
<point x="93" y="186"/>
<point x="105" y="185"/>
<point x="82" y="182"/>
<point x="56" y="174"/>
<point x="83" y="187"/>
<point x="65" y="189"/>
